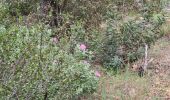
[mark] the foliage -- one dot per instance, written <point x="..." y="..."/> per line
<point x="21" y="7"/>
<point x="124" y="41"/>
<point x="32" y="66"/>
<point x="44" y="60"/>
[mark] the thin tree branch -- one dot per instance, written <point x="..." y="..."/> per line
<point x="146" y="57"/>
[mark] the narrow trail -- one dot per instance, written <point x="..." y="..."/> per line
<point x="159" y="72"/>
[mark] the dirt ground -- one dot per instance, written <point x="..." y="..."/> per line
<point x="159" y="71"/>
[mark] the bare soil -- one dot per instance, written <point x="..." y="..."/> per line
<point x="159" y="71"/>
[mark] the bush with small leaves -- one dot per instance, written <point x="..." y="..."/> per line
<point x="34" y="67"/>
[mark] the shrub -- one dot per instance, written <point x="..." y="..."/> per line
<point x="124" y="41"/>
<point x="34" y="67"/>
<point x="21" y="7"/>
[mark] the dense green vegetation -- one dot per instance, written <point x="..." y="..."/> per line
<point x="48" y="48"/>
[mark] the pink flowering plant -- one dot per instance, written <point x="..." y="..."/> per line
<point x="83" y="47"/>
<point x="55" y="40"/>
<point x="97" y="74"/>
<point x="82" y="52"/>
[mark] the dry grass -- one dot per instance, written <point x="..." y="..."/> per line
<point x="129" y="86"/>
<point x="125" y="86"/>
<point x="166" y="26"/>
